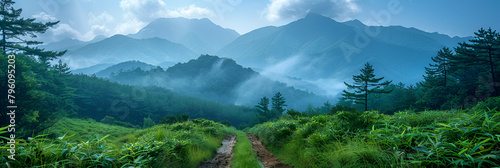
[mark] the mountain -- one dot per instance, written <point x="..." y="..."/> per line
<point x="200" y="35"/>
<point x="124" y="66"/>
<point x="66" y="44"/>
<point x="91" y="69"/>
<point x="69" y="44"/>
<point x="319" y="50"/>
<point x="120" y="48"/>
<point x="410" y="37"/>
<point x="221" y="80"/>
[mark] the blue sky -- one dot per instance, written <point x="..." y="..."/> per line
<point x="85" y="19"/>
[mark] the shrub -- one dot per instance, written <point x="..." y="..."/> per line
<point x="488" y="104"/>
<point x="108" y="120"/>
<point x="340" y="108"/>
<point x="148" y="122"/>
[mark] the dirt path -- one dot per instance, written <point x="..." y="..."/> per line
<point x="266" y="157"/>
<point x="224" y="155"/>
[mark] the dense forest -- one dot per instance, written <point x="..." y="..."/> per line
<point x="178" y="117"/>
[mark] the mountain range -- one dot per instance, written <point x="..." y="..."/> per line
<point x="317" y="48"/>
<point x="315" y="53"/>
<point x="120" y="48"/>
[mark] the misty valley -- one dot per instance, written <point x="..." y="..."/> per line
<point x="186" y="92"/>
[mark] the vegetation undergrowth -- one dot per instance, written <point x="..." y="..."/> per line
<point x="183" y="144"/>
<point x="83" y="129"/>
<point x="452" y="138"/>
<point x="244" y="156"/>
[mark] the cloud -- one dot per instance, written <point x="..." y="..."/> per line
<point x="140" y="12"/>
<point x="190" y="12"/>
<point x="44" y="17"/>
<point x="63" y="31"/>
<point x="148" y="10"/>
<point x="286" y="9"/>
<point x="101" y="19"/>
<point x="143" y="10"/>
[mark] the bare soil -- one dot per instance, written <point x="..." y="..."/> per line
<point x="224" y="154"/>
<point x="266" y="157"/>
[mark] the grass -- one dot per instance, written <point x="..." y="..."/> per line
<point x="84" y="129"/>
<point x="406" y="139"/>
<point x="244" y="156"/>
<point x="183" y="144"/>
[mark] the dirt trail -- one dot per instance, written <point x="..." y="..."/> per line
<point x="224" y="155"/>
<point x="266" y="157"/>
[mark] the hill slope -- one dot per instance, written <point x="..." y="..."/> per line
<point x="124" y="66"/>
<point x="221" y="80"/>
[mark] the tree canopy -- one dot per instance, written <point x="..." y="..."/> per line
<point x="364" y="85"/>
<point x="17" y="33"/>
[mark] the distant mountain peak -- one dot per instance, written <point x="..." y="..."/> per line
<point x="199" y="35"/>
<point x="355" y="23"/>
<point x="317" y="17"/>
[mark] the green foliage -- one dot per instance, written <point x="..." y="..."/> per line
<point x="170" y="119"/>
<point x="364" y="85"/>
<point x="84" y="129"/>
<point x="108" y="120"/>
<point x="278" y="104"/>
<point x="406" y="139"/>
<point x="178" y="145"/>
<point x="488" y="104"/>
<point x="341" y="108"/>
<point x="43" y="94"/>
<point x="148" y="122"/>
<point x="293" y="113"/>
<point x="244" y="155"/>
<point x="17" y="31"/>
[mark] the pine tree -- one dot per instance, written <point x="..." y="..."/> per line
<point x="278" y="104"/>
<point x="62" y="68"/>
<point x="15" y="32"/>
<point x="438" y="73"/>
<point x="483" y="50"/>
<point x="364" y="85"/>
<point x="263" y="106"/>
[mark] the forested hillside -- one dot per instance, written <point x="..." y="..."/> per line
<point x="218" y="79"/>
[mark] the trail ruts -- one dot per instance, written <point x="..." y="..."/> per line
<point x="224" y="154"/>
<point x="266" y="157"/>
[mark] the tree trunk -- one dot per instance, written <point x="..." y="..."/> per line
<point x="366" y="95"/>
<point x="492" y="68"/>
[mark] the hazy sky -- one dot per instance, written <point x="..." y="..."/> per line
<point x="85" y="19"/>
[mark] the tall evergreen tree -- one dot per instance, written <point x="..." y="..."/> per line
<point x="263" y="106"/>
<point x="16" y="32"/>
<point x="364" y="85"/>
<point x="438" y="73"/>
<point x="62" y="68"/>
<point x="278" y="104"/>
<point x="483" y="50"/>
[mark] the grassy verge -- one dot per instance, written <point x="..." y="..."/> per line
<point x="84" y="129"/>
<point x="406" y="139"/>
<point x="244" y="156"/>
<point x="183" y="144"/>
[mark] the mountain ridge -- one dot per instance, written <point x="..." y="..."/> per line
<point x="317" y="48"/>
<point x="120" y="48"/>
<point x="196" y="34"/>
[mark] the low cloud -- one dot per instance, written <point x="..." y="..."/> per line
<point x="64" y="31"/>
<point x="292" y="9"/>
<point x="44" y="17"/>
